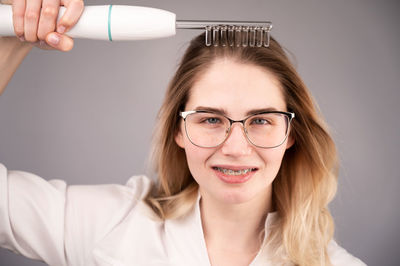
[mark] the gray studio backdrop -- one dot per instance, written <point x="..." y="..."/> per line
<point x="87" y="116"/>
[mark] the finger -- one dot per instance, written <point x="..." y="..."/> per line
<point x="48" y="18"/>
<point x="31" y="19"/>
<point x="43" y="45"/>
<point x="18" y="8"/>
<point x="71" y="16"/>
<point x="59" y="41"/>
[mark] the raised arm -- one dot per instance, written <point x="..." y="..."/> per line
<point x="35" y="24"/>
<point x="12" y="52"/>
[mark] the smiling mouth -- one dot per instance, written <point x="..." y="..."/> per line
<point x="226" y="171"/>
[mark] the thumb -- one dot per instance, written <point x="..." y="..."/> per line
<point x="59" y="41"/>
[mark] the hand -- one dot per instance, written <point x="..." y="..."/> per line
<point x="35" y="22"/>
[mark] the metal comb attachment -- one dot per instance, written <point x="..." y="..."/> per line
<point x="231" y="33"/>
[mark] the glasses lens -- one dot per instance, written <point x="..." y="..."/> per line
<point x="267" y="130"/>
<point x="206" y="129"/>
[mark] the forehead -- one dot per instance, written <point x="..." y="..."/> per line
<point x="236" y="88"/>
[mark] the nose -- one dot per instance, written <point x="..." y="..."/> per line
<point x="236" y="144"/>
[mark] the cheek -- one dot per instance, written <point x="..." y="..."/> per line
<point x="273" y="158"/>
<point x="196" y="156"/>
<point x="191" y="155"/>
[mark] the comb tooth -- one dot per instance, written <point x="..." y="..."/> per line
<point x="223" y="37"/>
<point x="259" y="36"/>
<point x="266" y="36"/>
<point x="216" y="35"/>
<point x="208" y="36"/>
<point x="231" y="35"/>
<point x="252" y="37"/>
<point x="238" y="37"/>
<point x="245" y="36"/>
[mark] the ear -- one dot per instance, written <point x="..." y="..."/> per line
<point x="179" y="139"/>
<point x="290" y="141"/>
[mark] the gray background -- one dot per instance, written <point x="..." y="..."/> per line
<point x="87" y="116"/>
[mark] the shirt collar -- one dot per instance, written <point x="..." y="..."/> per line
<point x="189" y="242"/>
<point x="182" y="240"/>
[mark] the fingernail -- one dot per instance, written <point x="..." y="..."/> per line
<point x="54" y="39"/>
<point x="21" y="38"/>
<point x="61" y="29"/>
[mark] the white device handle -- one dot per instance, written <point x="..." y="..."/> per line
<point x="110" y="22"/>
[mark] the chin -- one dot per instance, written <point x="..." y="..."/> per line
<point x="237" y="197"/>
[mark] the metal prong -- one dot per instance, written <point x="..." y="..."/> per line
<point x="238" y="37"/>
<point x="215" y="35"/>
<point x="223" y="37"/>
<point x="266" y="36"/>
<point x="252" y="37"/>
<point x="231" y="36"/>
<point x="245" y="36"/>
<point x="259" y="35"/>
<point x="208" y="36"/>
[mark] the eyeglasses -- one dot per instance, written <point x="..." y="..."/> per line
<point x="264" y="130"/>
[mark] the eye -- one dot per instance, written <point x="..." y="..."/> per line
<point x="206" y="119"/>
<point x="260" y="121"/>
<point x="212" y="120"/>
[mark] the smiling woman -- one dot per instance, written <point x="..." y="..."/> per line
<point x="242" y="181"/>
<point x="245" y="164"/>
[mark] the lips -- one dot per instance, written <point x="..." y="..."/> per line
<point x="234" y="174"/>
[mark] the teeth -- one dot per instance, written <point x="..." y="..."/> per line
<point x="233" y="172"/>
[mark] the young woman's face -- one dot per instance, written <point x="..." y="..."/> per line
<point x="235" y="89"/>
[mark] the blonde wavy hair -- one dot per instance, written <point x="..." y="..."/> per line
<point x="306" y="181"/>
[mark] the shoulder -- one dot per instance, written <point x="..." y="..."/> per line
<point x="93" y="211"/>
<point x="340" y="257"/>
<point x="105" y="204"/>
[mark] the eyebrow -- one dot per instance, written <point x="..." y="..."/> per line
<point x="223" y="111"/>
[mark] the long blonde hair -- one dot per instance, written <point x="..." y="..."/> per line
<point x="306" y="181"/>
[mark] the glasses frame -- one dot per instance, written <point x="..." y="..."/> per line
<point x="290" y="115"/>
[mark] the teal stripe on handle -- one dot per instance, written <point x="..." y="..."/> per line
<point x="109" y="23"/>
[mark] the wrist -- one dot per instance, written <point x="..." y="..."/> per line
<point x="12" y="52"/>
<point x="12" y="45"/>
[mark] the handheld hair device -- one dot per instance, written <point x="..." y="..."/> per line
<point x="119" y="22"/>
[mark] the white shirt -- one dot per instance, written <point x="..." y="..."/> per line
<point x="104" y="225"/>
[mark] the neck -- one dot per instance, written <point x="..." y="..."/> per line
<point x="235" y="227"/>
